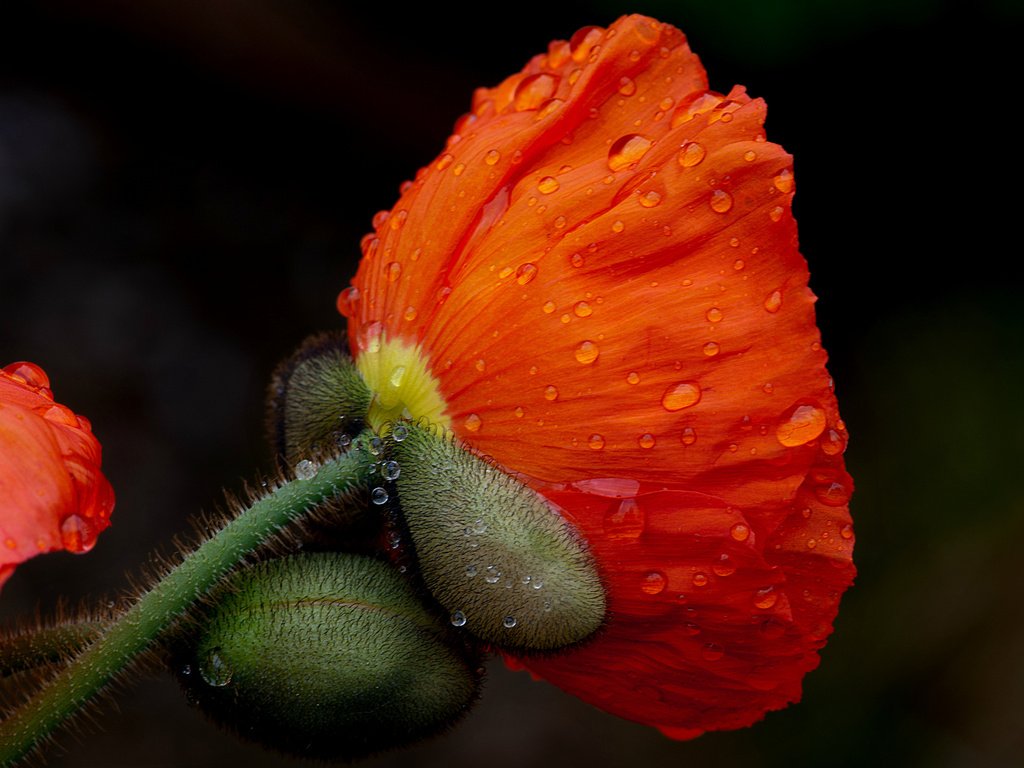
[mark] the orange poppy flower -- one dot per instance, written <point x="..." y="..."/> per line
<point x="52" y="493"/>
<point x="597" y="284"/>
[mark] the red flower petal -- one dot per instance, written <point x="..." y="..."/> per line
<point x="601" y="276"/>
<point x="52" y="493"/>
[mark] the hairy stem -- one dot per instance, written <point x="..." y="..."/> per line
<point x="142" y="624"/>
<point x="46" y="645"/>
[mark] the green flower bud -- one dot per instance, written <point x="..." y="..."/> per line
<point x="493" y="552"/>
<point x="316" y="398"/>
<point x="328" y="656"/>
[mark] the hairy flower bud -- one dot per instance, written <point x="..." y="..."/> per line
<point x="497" y="555"/>
<point x="316" y="398"/>
<point x="326" y="655"/>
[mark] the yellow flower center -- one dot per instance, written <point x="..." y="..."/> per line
<point x="403" y="387"/>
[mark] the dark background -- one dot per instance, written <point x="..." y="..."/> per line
<point x="183" y="186"/>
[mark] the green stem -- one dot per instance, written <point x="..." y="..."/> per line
<point x="46" y="645"/>
<point x="157" y="609"/>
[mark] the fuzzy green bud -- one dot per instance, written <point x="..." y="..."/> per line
<point x="493" y="552"/>
<point x="328" y="656"/>
<point x="316" y="398"/>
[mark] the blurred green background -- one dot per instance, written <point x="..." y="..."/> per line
<point x="183" y="186"/>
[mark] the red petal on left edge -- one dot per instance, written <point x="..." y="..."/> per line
<point x="52" y="493"/>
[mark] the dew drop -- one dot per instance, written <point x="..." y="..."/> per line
<point x="833" y="444"/>
<point x="305" y="470"/>
<point x="750" y="155"/>
<point x="765" y="598"/>
<point x="618" y="226"/>
<point x="633" y="377"/>
<point x="624" y="520"/>
<point x="846" y="531"/>
<point x="712" y="652"/>
<point x="682" y="395"/>
<point x="550" y="392"/>
<point x="627" y="150"/>
<point x="214" y="670"/>
<point x="586" y="353"/>
<point x="492" y="157"/>
<point x="627" y="86"/>
<point x="75" y="534"/>
<point x="739" y="532"/>
<point x="834" y="493"/>
<point x="650" y="199"/>
<point x="509" y="622"/>
<point x="409" y="314"/>
<point x="653" y="583"/>
<point x="576" y="259"/>
<point x="801" y="424"/>
<point x="443" y="161"/>
<point x="783" y="181"/>
<point x="711" y="349"/>
<point x="724" y="566"/>
<point x="458" y="619"/>
<point x="492" y="575"/>
<point x="714" y="315"/>
<point x="721" y="201"/>
<point x="646" y="441"/>
<point x="473" y="422"/>
<point x="691" y="154"/>
<point x="526" y="273"/>
<point x="689" y="436"/>
<point x="547" y="185"/>
<point x="596" y="442"/>
<point x="700" y="579"/>
<point x="775" y="214"/>
<point x="347" y="301"/>
<point x="36" y="377"/>
<point x="533" y="91"/>
<point x="391" y="470"/>
<point x="582" y="309"/>
<point x="379" y="496"/>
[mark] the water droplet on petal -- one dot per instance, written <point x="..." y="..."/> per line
<point x="714" y="315"/>
<point x="76" y="534"/>
<point x="576" y="260"/>
<point x="627" y="150"/>
<point x="700" y="579"/>
<point x="691" y="154"/>
<point x="711" y="349"/>
<point x="712" y="652"/>
<point x="682" y="395"/>
<point x="36" y="377"/>
<point x="846" y="531"/>
<point x="534" y="90"/>
<point x="627" y="87"/>
<point x="689" y="436"/>
<point x="443" y="161"/>
<point x="550" y="392"/>
<point x="409" y="314"/>
<point x="833" y="444"/>
<point x="739" y="532"/>
<point x="721" y="201"/>
<point x="633" y="377"/>
<point x="549" y="307"/>
<point x="783" y="181"/>
<point x="526" y="273"/>
<point x="347" y="301"/>
<point x="724" y="566"/>
<point x="773" y="302"/>
<point x="473" y="422"/>
<point x="586" y="352"/>
<point x="646" y="441"/>
<point x="618" y="226"/>
<point x="653" y="583"/>
<point x="765" y="598"/>
<point x="596" y="442"/>
<point x="582" y="309"/>
<point x="775" y="214"/>
<point x="650" y="199"/>
<point x="801" y="424"/>
<point x="547" y="185"/>
<point x="492" y="157"/>
<point x="750" y="155"/>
